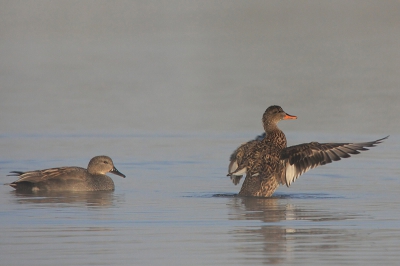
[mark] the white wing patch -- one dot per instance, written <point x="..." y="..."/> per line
<point x="241" y="172"/>
<point x="232" y="167"/>
<point x="301" y="158"/>
<point x="293" y="172"/>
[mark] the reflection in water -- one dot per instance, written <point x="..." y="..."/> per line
<point x="285" y="229"/>
<point x="62" y="224"/>
<point x="87" y="198"/>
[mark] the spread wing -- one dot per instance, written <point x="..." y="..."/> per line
<point x="41" y="175"/>
<point x="237" y="165"/>
<point x="298" y="159"/>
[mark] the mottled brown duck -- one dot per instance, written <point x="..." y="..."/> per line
<point x="267" y="162"/>
<point x="70" y="178"/>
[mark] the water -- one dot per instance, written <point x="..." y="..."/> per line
<point x="169" y="91"/>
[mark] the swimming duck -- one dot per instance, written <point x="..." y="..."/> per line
<point x="72" y="178"/>
<point x="267" y="162"/>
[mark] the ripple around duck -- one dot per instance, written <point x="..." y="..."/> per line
<point x="306" y="196"/>
<point x="275" y="196"/>
<point x="211" y="195"/>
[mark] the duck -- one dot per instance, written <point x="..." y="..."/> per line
<point x="267" y="162"/>
<point x="69" y="178"/>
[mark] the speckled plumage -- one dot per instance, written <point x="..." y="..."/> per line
<point x="69" y="178"/>
<point x="267" y="162"/>
<point x="239" y="156"/>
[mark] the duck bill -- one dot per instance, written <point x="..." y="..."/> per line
<point x="289" y="117"/>
<point x="116" y="172"/>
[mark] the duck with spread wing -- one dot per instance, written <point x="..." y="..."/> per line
<point x="267" y="162"/>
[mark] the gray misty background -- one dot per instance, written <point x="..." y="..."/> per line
<point x="120" y="67"/>
<point x="168" y="89"/>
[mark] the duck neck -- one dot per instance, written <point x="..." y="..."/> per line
<point x="275" y="136"/>
<point x="270" y="126"/>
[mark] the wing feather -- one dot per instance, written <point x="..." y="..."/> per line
<point x="46" y="174"/>
<point x="299" y="159"/>
<point x="238" y="159"/>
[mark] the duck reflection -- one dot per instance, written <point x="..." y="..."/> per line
<point x="86" y="198"/>
<point x="284" y="231"/>
<point x="265" y="242"/>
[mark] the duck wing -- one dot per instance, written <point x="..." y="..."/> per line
<point x="46" y="174"/>
<point x="298" y="159"/>
<point x="237" y="165"/>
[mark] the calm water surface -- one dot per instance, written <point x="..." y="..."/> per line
<point x="180" y="209"/>
<point x="169" y="90"/>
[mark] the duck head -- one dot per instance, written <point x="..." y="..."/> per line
<point x="273" y="115"/>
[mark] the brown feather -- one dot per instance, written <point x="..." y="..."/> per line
<point x="268" y="162"/>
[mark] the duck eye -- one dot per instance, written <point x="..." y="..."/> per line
<point x="105" y="162"/>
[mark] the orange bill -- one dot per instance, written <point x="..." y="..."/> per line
<point x="287" y="116"/>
